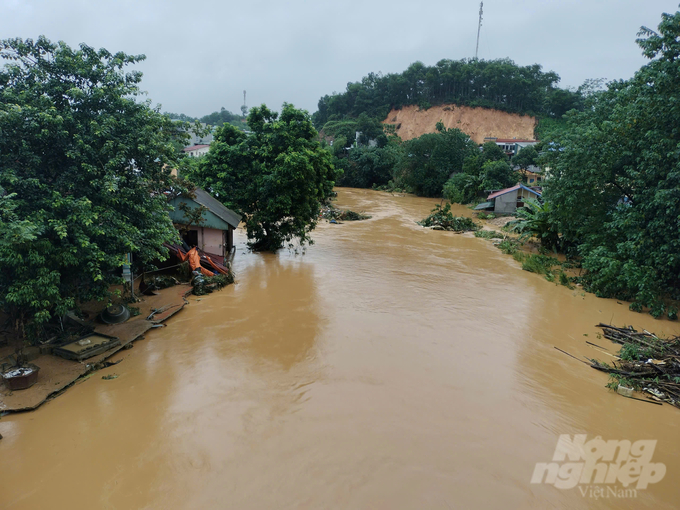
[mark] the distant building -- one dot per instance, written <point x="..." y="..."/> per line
<point x="534" y="175"/>
<point x="200" y="140"/>
<point x="371" y="142"/>
<point x="195" y="151"/>
<point x="511" y="146"/>
<point x="506" y="201"/>
<point x="215" y="234"/>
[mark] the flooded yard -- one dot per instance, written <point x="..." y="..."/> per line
<point x="389" y="366"/>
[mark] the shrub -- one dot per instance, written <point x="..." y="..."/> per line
<point x="489" y="234"/>
<point x="508" y="246"/>
<point x="540" y="264"/>
<point x="442" y="219"/>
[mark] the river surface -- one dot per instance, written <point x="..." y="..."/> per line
<point x="389" y="367"/>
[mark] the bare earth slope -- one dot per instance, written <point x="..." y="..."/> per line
<point x="411" y="122"/>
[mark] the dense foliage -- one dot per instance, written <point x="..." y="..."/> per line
<point x="614" y="181"/>
<point x="366" y="167"/>
<point x="276" y="177"/>
<point x="432" y="158"/>
<point x="441" y="218"/>
<point x="214" y="119"/>
<point x="444" y="163"/>
<point x="83" y="168"/>
<point x="525" y="158"/>
<point x="499" y="84"/>
<point x="534" y="220"/>
<point x="482" y="171"/>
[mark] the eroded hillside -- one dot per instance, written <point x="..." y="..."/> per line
<point x="479" y="123"/>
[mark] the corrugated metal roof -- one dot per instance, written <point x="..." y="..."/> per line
<point x="484" y="205"/>
<point x="217" y="208"/>
<point x="208" y="218"/>
<point x="508" y="190"/>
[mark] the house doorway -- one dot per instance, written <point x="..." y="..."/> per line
<point x="191" y="238"/>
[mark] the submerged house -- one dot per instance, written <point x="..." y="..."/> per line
<point x="506" y="201"/>
<point x="214" y="233"/>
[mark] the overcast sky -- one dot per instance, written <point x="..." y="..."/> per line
<point x="202" y="55"/>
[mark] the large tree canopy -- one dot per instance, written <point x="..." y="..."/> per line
<point x="499" y="84"/>
<point x="431" y="159"/>
<point x="614" y="181"/>
<point x="82" y="174"/>
<point x="276" y="177"/>
<point x="482" y="171"/>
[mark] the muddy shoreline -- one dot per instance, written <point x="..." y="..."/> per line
<point x="58" y="374"/>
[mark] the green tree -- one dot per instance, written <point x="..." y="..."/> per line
<point x="614" y="180"/>
<point x="525" y="158"/>
<point x="85" y="167"/>
<point x="462" y="188"/>
<point x="482" y="171"/>
<point x="275" y="177"/>
<point x="492" y="152"/>
<point x="497" y="175"/>
<point x="431" y="159"/>
<point x="534" y="219"/>
<point x="365" y="167"/>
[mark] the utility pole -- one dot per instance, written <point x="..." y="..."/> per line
<point x="479" y="28"/>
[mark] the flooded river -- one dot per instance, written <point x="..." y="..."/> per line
<point x="388" y="367"/>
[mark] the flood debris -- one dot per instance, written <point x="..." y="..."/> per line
<point x="150" y="286"/>
<point x="203" y="285"/>
<point x="333" y="215"/>
<point x="441" y="218"/>
<point x="645" y="363"/>
<point x="162" y="309"/>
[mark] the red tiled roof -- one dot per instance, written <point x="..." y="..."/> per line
<point x="194" y="147"/>
<point x="513" y="140"/>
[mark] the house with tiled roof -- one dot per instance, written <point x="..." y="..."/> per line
<point x="506" y="201"/>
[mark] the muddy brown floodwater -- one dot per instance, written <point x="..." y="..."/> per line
<point x="389" y="366"/>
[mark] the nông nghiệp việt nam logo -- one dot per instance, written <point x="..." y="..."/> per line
<point x="600" y="468"/>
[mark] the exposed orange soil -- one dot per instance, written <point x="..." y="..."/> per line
<point x="479" y="123"/>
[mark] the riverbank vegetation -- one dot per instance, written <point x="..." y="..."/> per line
<point x="614" y="186"/>
<point x="441" y="218"/>
<point x="445" y="163"/>
<point x="84" y="168"/>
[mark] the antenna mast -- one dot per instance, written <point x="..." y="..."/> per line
<point x="479" y="28"/>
